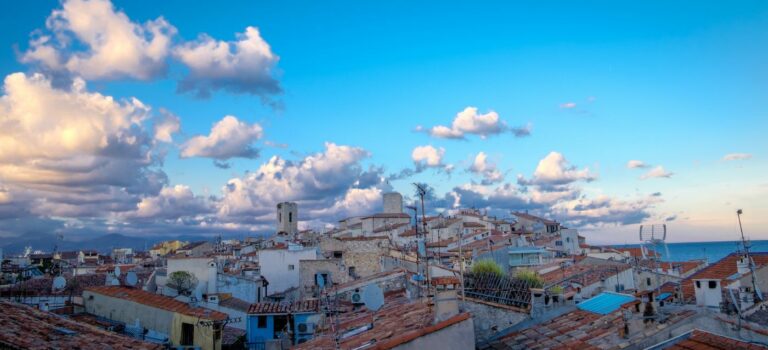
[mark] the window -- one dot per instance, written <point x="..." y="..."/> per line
<point x="262" y="322"/>
<point x="324" y="276"/>
<point x="187" y="334"/>
<point x="698" y="284"/>
<point x="352" y="271"/>
<point x="291" y="267"/>
<point x="337" y="254"/>
<point x="648" y="281"/>
<point x="567" y="239"/>
<point x="712" y="284"/>
<point x="290" y="217"/>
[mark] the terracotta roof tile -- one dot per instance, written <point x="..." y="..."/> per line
<point x="25" y="327"/>
<point x="157" y="301"/>
<point x="701" y="340"/>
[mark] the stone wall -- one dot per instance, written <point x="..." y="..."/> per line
<point x="489" y="318"/>
<point x="309" y="268"/>
<point x="361" y="254"/>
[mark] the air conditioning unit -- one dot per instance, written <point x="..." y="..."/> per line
<point x="306" y="328"/>
<point x="356" y="298"/>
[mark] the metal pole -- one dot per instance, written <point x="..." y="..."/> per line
<point x="461" y="262"/>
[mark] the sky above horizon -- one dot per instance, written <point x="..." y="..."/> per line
<point x="155" y="118"/>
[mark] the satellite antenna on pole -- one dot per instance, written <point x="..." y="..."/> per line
<point x="373" y="297"/>
<point x="131" y="278"/>
<point x="59" y="283"/>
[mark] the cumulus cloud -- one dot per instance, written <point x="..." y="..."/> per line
<point x="332" y="179"/>
<point x="602" y="210"/>
<point x="470" y="122"/>
<point x="93" y="40"/>
<point x="427" y="157"/>
<point x="656" y="172"/>
<point x="737" y="156"/>
<point x="554" y="170"/>
<point x="74" y="152"/>
<point x="244" y="66"/>
<point x="568" y="105"/>
<point x="165" y="126"/>
<point x="636" y="164"/>
<point x="486" y="169"/>
<point x="172" y="203"/>
<point x="229" y="138"/>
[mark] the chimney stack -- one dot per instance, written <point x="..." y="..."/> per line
<point x="446" y="297"/>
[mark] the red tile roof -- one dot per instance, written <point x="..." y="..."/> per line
<point x="25" y="327"/>
<point x="701" y="340"/>
<point x="721" y="270"/>
<point x="157" y="301"/>
<point x="398" y="322"/>
<point x="303" y="306"/>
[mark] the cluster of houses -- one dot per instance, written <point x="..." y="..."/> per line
<point x="389" y="280"/>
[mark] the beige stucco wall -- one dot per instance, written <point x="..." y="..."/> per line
<point x="156" y="319"/>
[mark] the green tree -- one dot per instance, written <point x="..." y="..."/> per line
<point x="487" y="266"/>
<point x="182" y="281"/>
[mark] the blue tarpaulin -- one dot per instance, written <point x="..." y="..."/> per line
<point x="605" y="303"/>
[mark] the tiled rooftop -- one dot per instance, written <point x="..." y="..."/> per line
<point x="721" y="270"/>
<point x="303" y="306"/>
<point x="701" y="340"/>
<point x="399" y="321"/>
<point x="25" y="327"/>
<point x="157" y="301"/>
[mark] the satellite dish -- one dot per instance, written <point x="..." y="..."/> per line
<point x="59" y="282"/>
<point x="320" y="280"/>
<point x="117" y="271"/>
<point x="373" y="297"/>
<point x="114" y="282"/>
<point x="131" y="279"/>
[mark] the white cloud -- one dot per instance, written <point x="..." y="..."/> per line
<point x="427" y="156"/>
<point x="555" y="170"/>
<point x="488" y="170"/>
<point x="657" y="172"/>
<point x="636" y="164"/>
<point x="470" y="122"/>
<point x="113" y="45"/>
<point x="229" y="138"/>
<point x="171" y="203"/>
<point x="568" y="105"/>
<point x="166" y="126"/>
<point x="243" y="66"/>
<point x="75" y="152"/>
<point x="737" y="156"/>
<point x="317" y="181"/>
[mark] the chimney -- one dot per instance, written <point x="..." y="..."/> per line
<point x="446" y="298"/>
<point x="742" y="265"/>
<point x="212" y="277"/>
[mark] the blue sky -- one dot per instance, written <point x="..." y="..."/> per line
<point x="600" y="83"/>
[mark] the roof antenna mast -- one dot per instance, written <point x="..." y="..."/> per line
<point x="751" y="263"/>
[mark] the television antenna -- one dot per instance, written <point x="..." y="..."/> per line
<point x="654" y="236"/>
<point x="750" y="262"/>
<point x="422" y="191"/>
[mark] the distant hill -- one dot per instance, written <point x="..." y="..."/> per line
<point x="102" y="243"/>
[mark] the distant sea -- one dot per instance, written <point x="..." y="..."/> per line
<point x="712" y="251"/>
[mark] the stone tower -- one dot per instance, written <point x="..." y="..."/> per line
<point x="393" y="203"/>
<point x="287" y="217"/>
